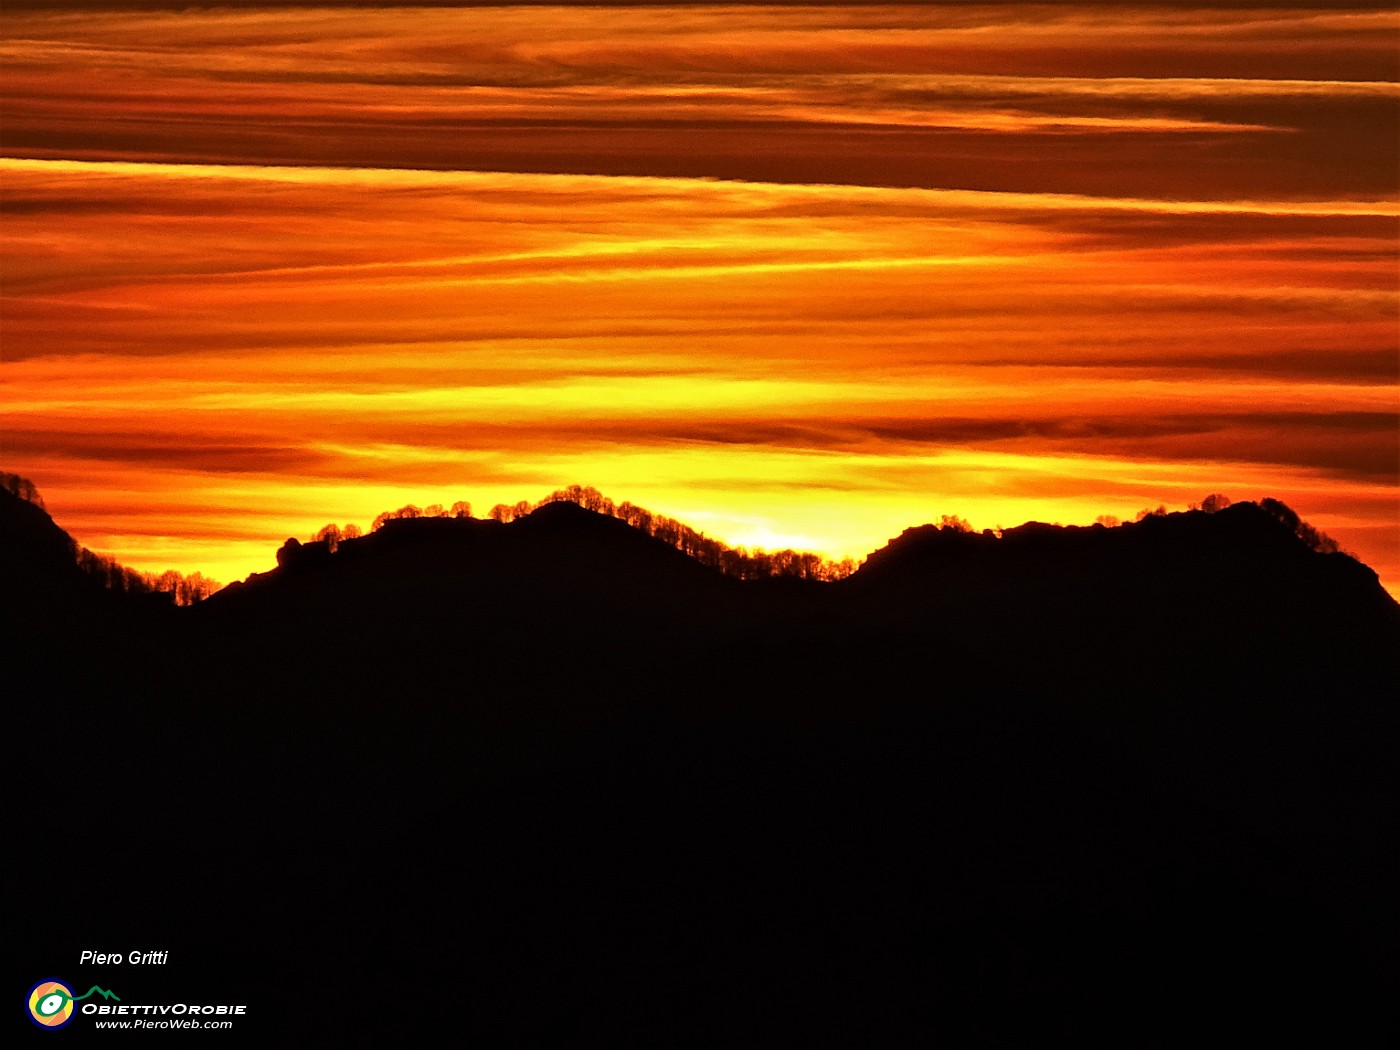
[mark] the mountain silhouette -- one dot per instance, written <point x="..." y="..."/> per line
<point x="551" y="777"/>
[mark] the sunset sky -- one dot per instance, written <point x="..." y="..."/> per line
<point x="797" y="276"/>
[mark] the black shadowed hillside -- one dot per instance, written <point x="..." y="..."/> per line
<point x="563" y="780"/>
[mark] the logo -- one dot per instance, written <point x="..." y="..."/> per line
<point x="51" y="1002"/>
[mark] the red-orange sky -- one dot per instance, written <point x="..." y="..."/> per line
<point x="795" y="275"/>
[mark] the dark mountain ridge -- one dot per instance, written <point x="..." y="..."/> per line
<point x="558" y="549"/>
<point x="1109" y="785"/>
<point x="1228" y="595"/>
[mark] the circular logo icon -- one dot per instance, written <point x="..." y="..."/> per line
<point x="51" y="1004"/>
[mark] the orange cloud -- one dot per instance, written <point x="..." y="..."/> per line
<point x="270" y="267"/>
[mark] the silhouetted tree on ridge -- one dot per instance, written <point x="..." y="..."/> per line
<point x="21" y="487"/>
<point x="111" y="574"/>
<point x="1288" y="517"/>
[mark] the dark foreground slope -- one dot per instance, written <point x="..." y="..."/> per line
<point x="552" y="781"/>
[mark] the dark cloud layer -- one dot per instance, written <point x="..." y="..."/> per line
<point x="1150" y="101"/>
